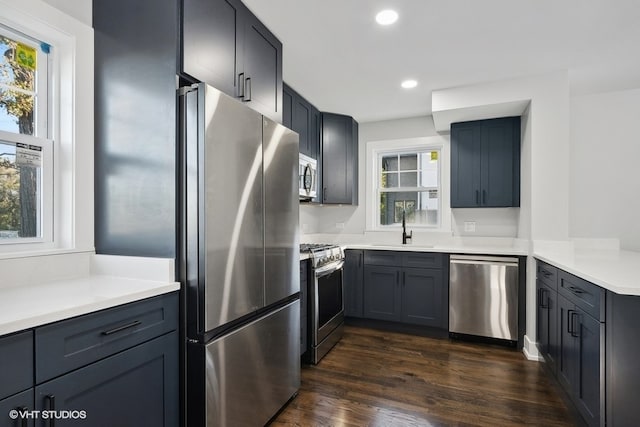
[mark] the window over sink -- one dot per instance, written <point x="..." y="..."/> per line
<point x="408" y="181"/>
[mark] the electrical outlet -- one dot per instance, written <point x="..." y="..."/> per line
<point x="469" y="226"/>
<point x="340" y="225"/>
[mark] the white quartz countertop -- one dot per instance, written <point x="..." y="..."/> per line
<point x="443" y="248"/>
<point x="29" y="305"/>
<point x="451" y="248"/>
<point x="615" y="270"/>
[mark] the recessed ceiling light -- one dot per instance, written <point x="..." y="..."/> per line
<point x="387" y="17"/>
<point x="409" y="84"/>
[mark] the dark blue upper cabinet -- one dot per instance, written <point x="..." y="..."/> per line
<point x="302" y="117"/>
<point x="209" y="43"/>
<point x="339" y="144"/>
<point x="226" y="46"/>
<point x="485" y="163"/>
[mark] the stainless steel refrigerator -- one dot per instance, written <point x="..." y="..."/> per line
<point x="241" y="255"/>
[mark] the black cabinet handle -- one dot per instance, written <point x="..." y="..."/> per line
<point x="484" y="197"/>
<point x="247" y="83"/>
<point x="241" y="85"/>
<point x="51" y="404"/>
<point x="546" y="273"/>
<point x="542" y="299"/>
<point x="570" y="322"/>
<point x="404" y="278"/>
<point x="574" y="329"/>
<point x="121" y="328"/>
<point x="477" y="197"/>
<point x="324" y="194"/>
<point x="576" y="290"/>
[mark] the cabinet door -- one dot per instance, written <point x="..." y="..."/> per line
<point x="19" y="402"/>
<point x="138" y="387"/>
<point x="567" y="355"/>
<point x="302" y="123"/>
<point x="422" y="290"/>
<point x="317" y="151"/>
<point x="16" y="363"/>
<point x="498" y="153"/>
<point x="287" y="106"/>
<point x="542" y="318"/>
<point x="382" y="293"/>
<point x="465" y="164"/>
<point x="338" y="159"/>
<point x="589" y="374"/>
<point x="547" y="323"/>
<point x="304" y="298"/>
<point x="353" y="282"/>
<point x="553" y="329"/>
<point x="262" y="67"/>
<point x="209" y="48"/>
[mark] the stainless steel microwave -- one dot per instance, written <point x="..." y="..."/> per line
<point x="308" y="178"/>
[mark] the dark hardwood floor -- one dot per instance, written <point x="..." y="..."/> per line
<point x="379" y="378"/>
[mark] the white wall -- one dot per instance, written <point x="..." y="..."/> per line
<point x="545" y="160"/>
<point x="323" y="219"/>
<point x="78" y="9"/>
<point x="605" y="161"/>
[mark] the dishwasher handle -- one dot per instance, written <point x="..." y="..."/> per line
<point x="482" y="262"/>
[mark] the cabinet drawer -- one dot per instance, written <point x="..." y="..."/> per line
<point x="548" y="274"/>
<point x="64" y="346"/>
<point x="16" y="363"/>
<point x="383" y="258"/>
<point x="20" y="402"/>
<point x="422" y="259"/>
<point x="584" y="294"/>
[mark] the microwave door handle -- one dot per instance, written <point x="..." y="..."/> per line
<point x="307" y="173"/>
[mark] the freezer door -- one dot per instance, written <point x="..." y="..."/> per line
<point x="252" y="372"/>
<point x="281" y="206"/>
<point x="231" y="223"/>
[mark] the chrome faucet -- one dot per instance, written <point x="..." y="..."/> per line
<point x="405" y="236"/>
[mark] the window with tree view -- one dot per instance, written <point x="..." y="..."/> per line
<point x="23" y="127"/>
<point x="409" y="183"/>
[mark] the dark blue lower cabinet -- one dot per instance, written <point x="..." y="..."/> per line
<point x="137" y="387"/>
<point x="15" y="411"/>
<point x="579" y="359"/>
<point x="422" y="290"/>
<point x="382" y="293"/>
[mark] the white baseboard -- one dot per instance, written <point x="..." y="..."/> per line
<point x="530" y="350"/>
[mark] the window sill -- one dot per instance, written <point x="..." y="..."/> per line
<point x="43" y="252"/>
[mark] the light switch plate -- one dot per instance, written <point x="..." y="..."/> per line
<point x="469" y="226"/>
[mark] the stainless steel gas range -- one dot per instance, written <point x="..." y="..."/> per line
<point x="326" y="298"/>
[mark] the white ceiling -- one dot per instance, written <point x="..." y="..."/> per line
<point x="341" y="60"/>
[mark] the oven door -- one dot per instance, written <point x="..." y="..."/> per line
<point x="328" y="301"/>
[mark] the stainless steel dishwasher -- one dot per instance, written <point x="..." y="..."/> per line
<point x="483" y="296"/>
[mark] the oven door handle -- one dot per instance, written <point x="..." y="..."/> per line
<point x="329" y="268"/>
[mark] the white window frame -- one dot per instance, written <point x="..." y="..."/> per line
<point x="70" y="124"/>
<point x="42" y="117"/>
<point x="45" y="212"/>
<point x="379" y="190"/>
<point x="42" y="82"/>
<point x="373" y="151"/>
